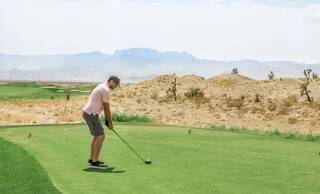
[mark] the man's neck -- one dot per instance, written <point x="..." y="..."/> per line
<point x="107" y="85"/>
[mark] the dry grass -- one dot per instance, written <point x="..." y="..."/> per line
<point x="283" y="110"/>
<point x="290" y="101"/>
<point x="272" y="106"/>
<point x="292" y="120"/>
<point x="230" y="101"/>
<point x="235" y="103"/>
<point x="154" y="95"/>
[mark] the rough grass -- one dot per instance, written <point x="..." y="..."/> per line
<point x="21" y="173"/>
<point x="204" y="161"/>
<point x="128" y="117"/>
<point x="274" y="132"/>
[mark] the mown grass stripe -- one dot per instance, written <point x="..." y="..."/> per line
<point x="21" y="173"/>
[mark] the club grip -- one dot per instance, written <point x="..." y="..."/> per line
<point x="107" y="123"/>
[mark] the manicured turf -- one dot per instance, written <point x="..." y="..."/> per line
<point x="38" y="90"/>
<point x="21" y="172"/>
<point x="204" y="161"/>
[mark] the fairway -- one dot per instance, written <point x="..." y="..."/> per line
<point x="33" y="90"/>
<point x="205" y="161"/>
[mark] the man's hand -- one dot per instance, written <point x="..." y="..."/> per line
<point x="107" y="114"/>
<point x="110" y="126"/>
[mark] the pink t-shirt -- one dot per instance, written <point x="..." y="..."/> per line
<point x="99" y="95"/>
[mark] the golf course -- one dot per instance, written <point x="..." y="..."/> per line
<point x="33" y="90"/>
<point x="54" y="160"/>
<point x="159" y="97"/>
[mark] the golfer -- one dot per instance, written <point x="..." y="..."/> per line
<point x="99" y="100"/>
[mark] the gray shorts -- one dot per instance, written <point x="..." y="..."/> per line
<point x="93" y="123"/>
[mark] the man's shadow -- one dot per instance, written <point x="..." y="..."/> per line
<point x="107" y="170"/>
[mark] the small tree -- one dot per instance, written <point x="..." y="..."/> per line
<point x="235" y="71"/>
<point x="305" y="86"/>
<point x="315" y="76"/>
<point x="172" y="91"/>
<point x="271" y="75"/>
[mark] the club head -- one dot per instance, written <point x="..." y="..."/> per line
<point x="147" y="161"/>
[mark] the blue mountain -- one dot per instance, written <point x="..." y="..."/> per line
<point x="136" y="64"/>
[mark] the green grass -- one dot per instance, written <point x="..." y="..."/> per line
<point x="21" y="172"/>
<point x="128" y="117"/>
<point x="274" y="132"/>
<point x="34" y="90"/>
<point x="205" y="161"/>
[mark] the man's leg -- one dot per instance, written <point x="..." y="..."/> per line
<point x="97" y="147"/>
<point x="94" y="139"/>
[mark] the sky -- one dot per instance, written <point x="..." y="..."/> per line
<point x="210" y="29"/>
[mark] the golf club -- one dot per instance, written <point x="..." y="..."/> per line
<point x="147" y="161"/>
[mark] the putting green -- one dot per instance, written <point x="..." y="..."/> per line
<point x="201" y="162"/>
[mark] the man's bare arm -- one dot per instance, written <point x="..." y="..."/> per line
<point x="107" y="114"/>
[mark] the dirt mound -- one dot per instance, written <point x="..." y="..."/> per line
<point x="228" y="80"/>
<point x="192" y="78"/>
<point x="164" y="78"/>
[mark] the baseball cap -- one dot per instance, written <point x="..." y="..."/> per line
<point x="115" y="79"/>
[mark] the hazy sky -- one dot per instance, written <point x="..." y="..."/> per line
<point x="211" y="29"/>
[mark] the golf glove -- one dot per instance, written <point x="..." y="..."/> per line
<point x="107" y="122"/>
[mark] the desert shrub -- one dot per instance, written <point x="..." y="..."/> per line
<point x="235" y="71"/>
<point x="292" y="120"/>
<point x="235" y="103"/>
<point x="154" y="95"/>
<point x="258" y="110"/>
<point x="271" y="75"/>
<point x="172" y="91"/>
<point x="257" y="98"/>
<point x="304" y="87"/>
<point x="272" y="106"/>
<point x="290" y="101"/>
<point x="194" y="93"/>
<point x="268" y="117"/>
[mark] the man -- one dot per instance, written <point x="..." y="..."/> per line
<point x="99" y="100"/>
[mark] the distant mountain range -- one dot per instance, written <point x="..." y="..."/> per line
<point x="135" y="64"/>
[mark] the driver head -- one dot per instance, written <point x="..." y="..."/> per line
<point x="148" y="161"/>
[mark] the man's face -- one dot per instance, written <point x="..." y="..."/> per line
<point x="112" y="84"/>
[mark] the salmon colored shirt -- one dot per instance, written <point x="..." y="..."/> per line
<point x="99" y="95"/>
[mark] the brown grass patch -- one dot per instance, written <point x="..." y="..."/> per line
<point x="235" y="103"/>
<point x="290" y="101"/>
<point x="292" y="120"/>
<point x="283" y="110"/>
<point x="272" y="106"/>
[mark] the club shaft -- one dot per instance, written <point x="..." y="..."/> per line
<point x="128" y="145"/>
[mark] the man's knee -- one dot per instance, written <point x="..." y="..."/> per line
<point x="101" y="137"/>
